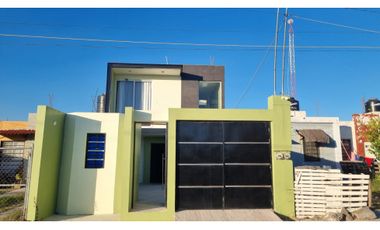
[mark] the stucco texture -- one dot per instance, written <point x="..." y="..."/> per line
<point x="45" y="165"/>
<point x="83" y="190"/>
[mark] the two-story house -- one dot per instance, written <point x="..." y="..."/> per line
<point x="165" y="144"/>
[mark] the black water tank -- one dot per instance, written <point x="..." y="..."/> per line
<point x="372" y="105"/>
<point x="294" y="104"/>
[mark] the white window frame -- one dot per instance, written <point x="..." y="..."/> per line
<point x="219" y="92"/>
<point x="134" y="94"/>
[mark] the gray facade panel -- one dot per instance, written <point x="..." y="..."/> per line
<point x="191" y="75"/>
<point x="190" y="94"/>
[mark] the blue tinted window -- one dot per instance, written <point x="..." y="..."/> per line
<point x="95" y="150"/>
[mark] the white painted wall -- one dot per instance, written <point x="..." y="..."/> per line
<point x="81" y="190"/>
<point x="330" y="154"/>
<point x="166" y="93"/>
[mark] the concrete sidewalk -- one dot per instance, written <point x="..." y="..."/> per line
<point x="83" y="218"/>
<point x="189" y="215"/>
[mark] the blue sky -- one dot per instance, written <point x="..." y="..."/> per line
<point x="330" y="82"/>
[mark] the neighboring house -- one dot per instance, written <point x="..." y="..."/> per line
<point x="316" y="141"/>
<point x="165" y="144"/>
<point x="362" y="144"/>
<point x="16" y="143"/>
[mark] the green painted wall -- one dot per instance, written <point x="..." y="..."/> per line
<point x="282" y="170"/>
<point x="125" y="176"/>
<point x="124" y="164"/>
<point x="45" y="163"/>
<point x="136" y="165"/>
<point x="47" y="155"/>
<point x="278" y="114"/>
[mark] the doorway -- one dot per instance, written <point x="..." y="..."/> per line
<point x="157" y="163"/>
<point x="149" y="166"/>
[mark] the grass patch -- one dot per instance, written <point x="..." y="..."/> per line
<point x="375" y="187"/>
<point x="375" y="184"/>
<point x="8" y="202"/>
<point x="3" y="191"/>
<point x="15" y="215"/>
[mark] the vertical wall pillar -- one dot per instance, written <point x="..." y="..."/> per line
<point x="126" y="176"/>
<point x="42" y="196"/>
<point x="124" y="165"/>
<point x="282" y="169"/>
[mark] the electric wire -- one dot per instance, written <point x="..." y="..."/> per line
<point x="81" y="39"/>
<point x="208" y="30"/>
<point x="245" y="91"/>
<point x="142" y="46"/>
<point x="248" y="86"/>
<point x="337" y="24"/>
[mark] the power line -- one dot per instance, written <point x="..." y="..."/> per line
<point x="128" y="41"/>
<point x="212" y="30"/>
<point x="245" y="91"/>
<point x="28" y="36"/>
<point x="34" y="44"/>
<point x="365" y="10"/>
<point x="337" y="25"/>
<point x="123" y="28"/>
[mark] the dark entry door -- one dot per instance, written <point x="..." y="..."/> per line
<point x="346" y="149"/>
<point x="157" y="156"/>
<point x="223" y="165"/>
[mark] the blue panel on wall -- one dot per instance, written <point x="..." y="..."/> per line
<point x="94" y="163"/>
<point x="95" y="150"/>
<point x="96" y="137"/>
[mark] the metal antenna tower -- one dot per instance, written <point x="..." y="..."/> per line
<point x="292" y="60"/>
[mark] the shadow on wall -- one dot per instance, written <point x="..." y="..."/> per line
<point x="326" y="151"/>
<point x="77" y="184"/>
<point x="298" y="160"/>
<point x="332" y="143"/>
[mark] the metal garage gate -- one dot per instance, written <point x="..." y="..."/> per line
<point x="223" y="164"/>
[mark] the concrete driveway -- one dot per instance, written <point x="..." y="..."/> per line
<point x="227" y="215"/>
<point x="189" y="215"/>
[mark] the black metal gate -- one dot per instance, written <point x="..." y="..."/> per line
<point x="223" y="164"/>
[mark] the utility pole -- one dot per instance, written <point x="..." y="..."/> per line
<point x="283" y="53"/>
<point x="51" y="96"/>
<point x="94" y="98"/>
<point x="275" y="53"/>
<point x="292" y="60"/>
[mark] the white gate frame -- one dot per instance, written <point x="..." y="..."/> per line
<point x="321" y="191"/>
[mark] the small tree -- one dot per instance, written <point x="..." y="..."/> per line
<point x="372" y="133"/>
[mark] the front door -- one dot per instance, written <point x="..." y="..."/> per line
<point x="157" y="161"/>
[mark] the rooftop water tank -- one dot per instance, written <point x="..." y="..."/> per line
<point x="294" y="104"/>
<point x="101" y="104"/>
<point x="372" y="105"/>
